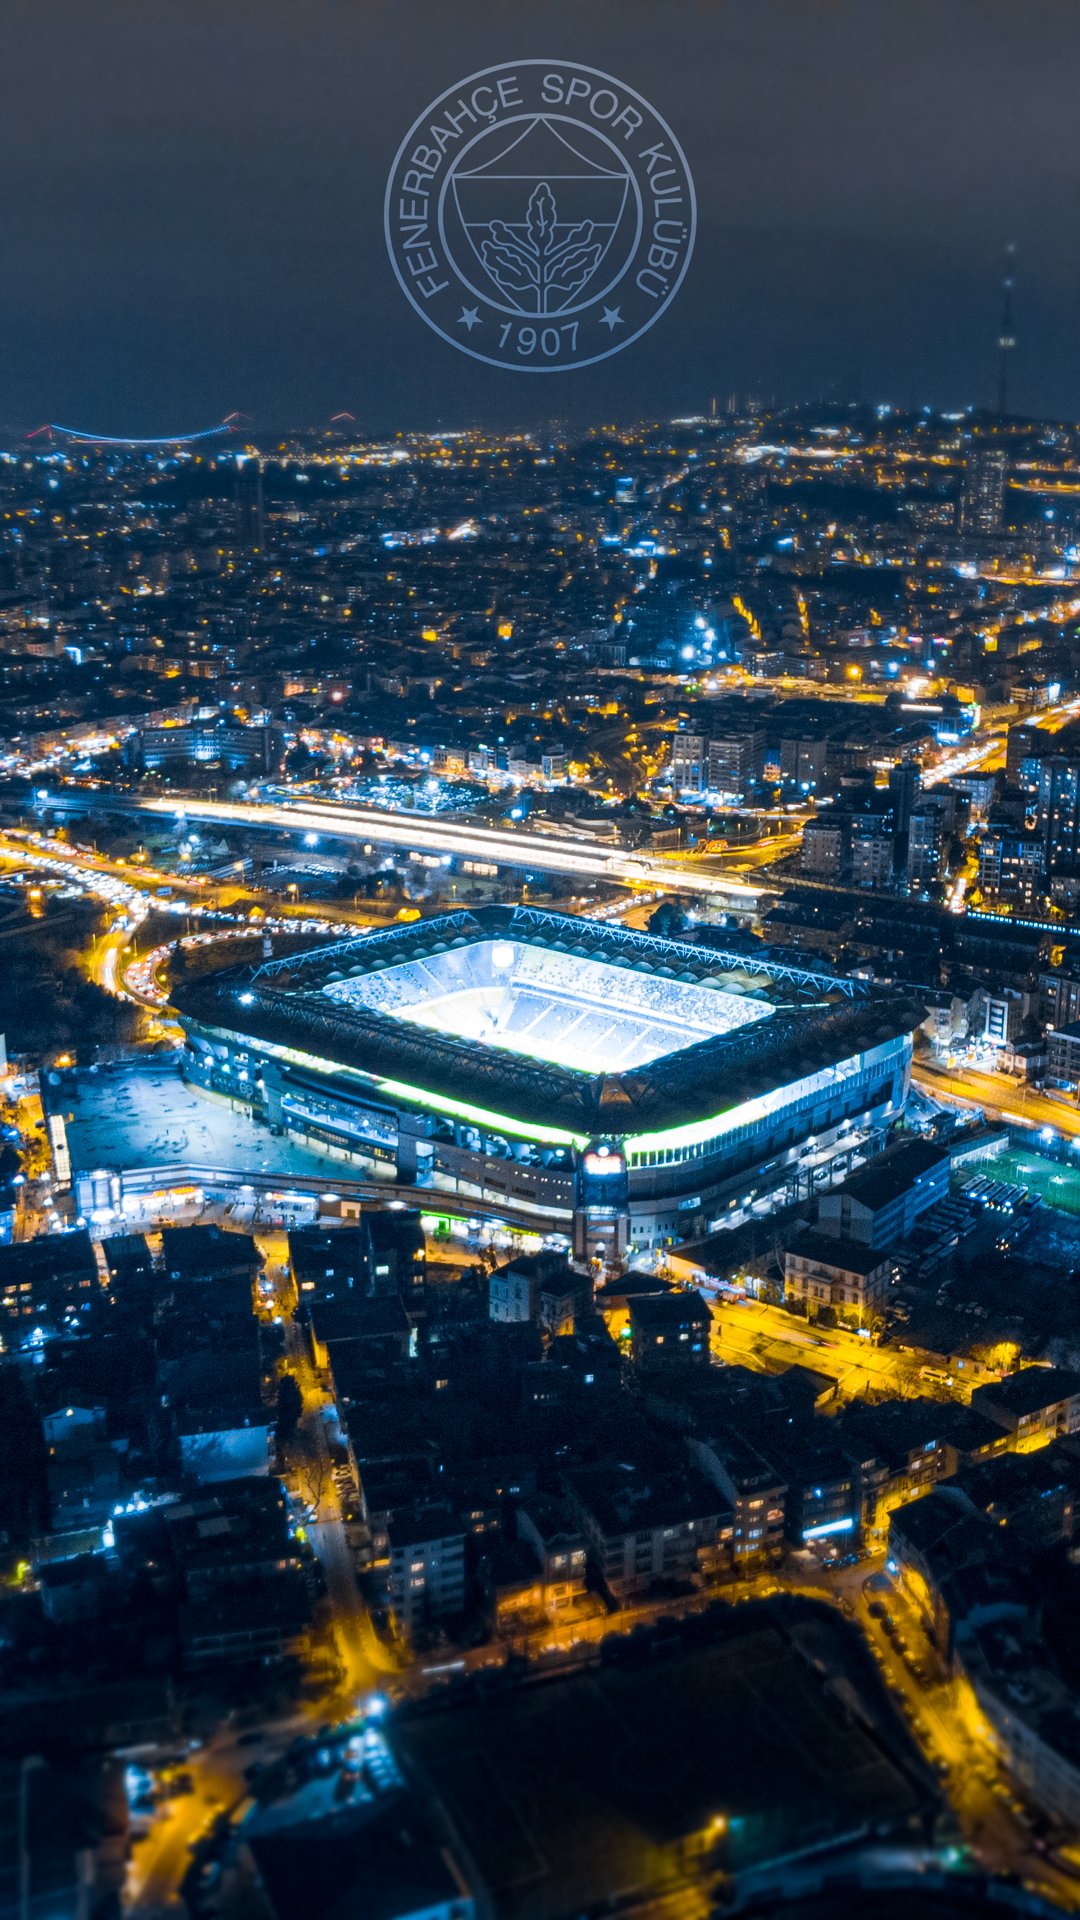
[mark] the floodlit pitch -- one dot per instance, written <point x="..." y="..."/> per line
<point x="581" y="1014"/>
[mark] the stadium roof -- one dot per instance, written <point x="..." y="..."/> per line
<point x="818" y="1020"/>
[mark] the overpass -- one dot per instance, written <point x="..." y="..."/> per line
<point x="424" y="833"/>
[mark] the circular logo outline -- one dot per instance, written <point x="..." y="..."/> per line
<point x="438" y="190"/>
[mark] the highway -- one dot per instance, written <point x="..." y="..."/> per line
<point x="437" y="835"/>
<point x="995" y="1093"/>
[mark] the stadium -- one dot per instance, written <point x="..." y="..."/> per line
<point x="635" y="1089"/>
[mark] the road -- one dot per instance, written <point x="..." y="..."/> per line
<point x="439" y="835"/>
<point x="942" y="1717"/>
<point x="994" y="1093"/>
<point x="363" y="1658"/>
<point x="160" y="1860"/>
<point x="765" y="1338"/>
<point x="936" y="1708"/>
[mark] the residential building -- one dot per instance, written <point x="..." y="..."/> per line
<point x="1059" y="997"/>
<point x="426" y="1578"/>
<point x="688" y="766"/>
<point x="669" y="1330"/>
<point x="826" y="1270"/>
<point x="643" y="1525"/>
<point x="1035" y="1405"/>
<point x="982" y="495"/>
<point x="558" y="1545"/>
<point x="752" y="1488"/>
<point x="1011" y="863"/>
<point x="539" y="1289"/>
<point x="824" y="845"/>
<point x="872" y="854"/>
<point x="1002" y="1016"/>
<point x="735" y="760"/>
<point x="926" y="847"/>
<point x="1059" y="810"/>
<point x="1063" y="1055"/>
<point x="880" y="1203"/>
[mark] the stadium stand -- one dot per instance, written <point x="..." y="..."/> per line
<point x="564" y="1008"/>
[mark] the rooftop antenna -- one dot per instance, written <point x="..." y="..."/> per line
<point x="1006" y="338"/>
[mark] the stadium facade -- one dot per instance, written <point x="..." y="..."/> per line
<point x="631" y="1089"/>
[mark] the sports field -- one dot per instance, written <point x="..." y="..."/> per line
<point x="1057" y="1185"/>
<point x="570" y="1793"/>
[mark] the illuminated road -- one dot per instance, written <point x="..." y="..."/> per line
<point x="363" y="1657"/>
<point x="944" y="1719"/>
<point x="1010" y="1099"/>
<point x="432" y="834"/>
<point x="161" y="1859"/>
<point x="938" y="1710"/>
<point x="752" y="1334"/>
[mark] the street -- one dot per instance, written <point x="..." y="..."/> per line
<point x="766" y="1338"/>
<point x="1010" y="1099"/>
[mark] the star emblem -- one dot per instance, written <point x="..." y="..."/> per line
<point x="470" y="318"/>
<point x="611" y="318"/>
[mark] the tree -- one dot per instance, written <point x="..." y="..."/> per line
<point x="669" y="920"/>
<point x="311" y="1473"/>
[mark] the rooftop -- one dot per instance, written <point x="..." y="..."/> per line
<point x="659" y="1312"/>
<point x="833" y="1250"/>
<point x="891" y="1174"/>
<point x="1030" y="1390"/>
<point x="144" y="1115"/>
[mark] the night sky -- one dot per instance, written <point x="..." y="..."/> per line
<point x="191" y="214"/>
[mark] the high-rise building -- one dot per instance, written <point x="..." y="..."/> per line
<point x="1025" y="745"/>
<point x="1011" y="866"/>
<point x="688" y="768"/>
<point x="926" y="847"/>
<point x="982" y="498"/>
<point x="824" y="847"/>
<point x="1059" y="810"/>
<point x="1059" y="997"/>
<point x="726" y="763"/>
<point x="250" y="503"/>
<point x="905" y="783"/>
<point x="735" y="760"/>
<point x="872" y="852"/>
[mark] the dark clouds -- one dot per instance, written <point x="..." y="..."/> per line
<point x="190" y="218"/>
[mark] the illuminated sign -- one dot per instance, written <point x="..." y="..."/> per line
<point x="602" y="1163"/>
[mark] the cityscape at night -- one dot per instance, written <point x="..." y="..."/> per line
<point x="540" y="987"/>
